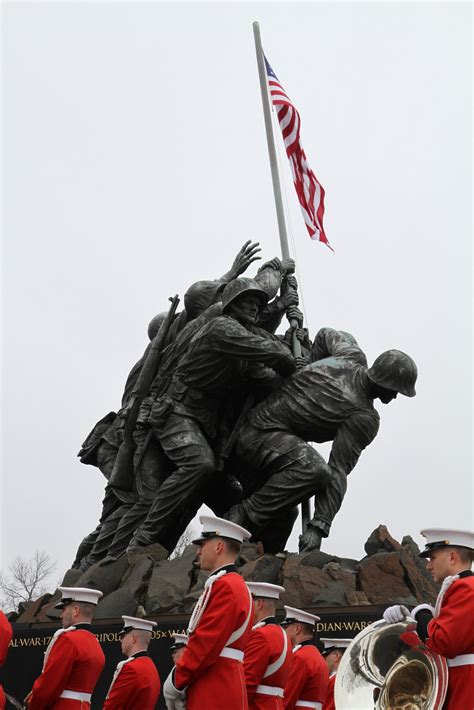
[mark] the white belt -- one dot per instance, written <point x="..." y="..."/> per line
<point x="75" y="695"/>
<point x="308" y="704"/>
<point x="269" y="690"/>
<point x="232" y="653"/>
<point x="466" y="660"/>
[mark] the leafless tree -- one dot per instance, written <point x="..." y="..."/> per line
<point x="25" y="580"/>
<point x="186" y="539"/>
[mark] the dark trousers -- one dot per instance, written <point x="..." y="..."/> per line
<point x="181" y="494"/>
<point x="287" y="471"/>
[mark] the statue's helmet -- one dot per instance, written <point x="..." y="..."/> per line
<point x="155" y="324"/>
<point x="396" y="371"/>
<point x="200" y="295"/>
<point x="240" y="287"/>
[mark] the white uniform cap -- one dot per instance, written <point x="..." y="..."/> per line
<point x="298" y="616"/>
<point x="437" y="538"/>
<point x="331" y="645"/>
<point x="264" y="590"/>
<point x="217" y="527"/>
<point x="131" y="623"/>
<point x="78" y="594"/>
<point x="179" y="640"/>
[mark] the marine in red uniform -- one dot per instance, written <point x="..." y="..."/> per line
<point x="448" y="629"/>
<point x="136" y="683"/>
<point x="209" y="675"/>
<point x="332" y="654"/>
<point x="6" y="634"/>
<point x="268" y="653"/>
<point x="73" y="660"/>
<point x="307" y="683"/>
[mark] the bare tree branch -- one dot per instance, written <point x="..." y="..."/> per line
<point x="25" y="580"/>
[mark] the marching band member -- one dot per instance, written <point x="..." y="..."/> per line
<point x="333" y="652"/>
<point x="136" y="683"/>
<point x="448" y="629"/>
<point x="209" y="673"/>
<point x="307" y="683"/>
<point x="268" y="653"/>
<point x="73" y="660"/>
<point x="179" y="643"/>
<point x="6" y="634"/>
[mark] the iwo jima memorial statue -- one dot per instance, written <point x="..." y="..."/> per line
<point x="222" y="410"/>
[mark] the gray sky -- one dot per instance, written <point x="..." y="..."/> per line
<point x="135" y="163"/>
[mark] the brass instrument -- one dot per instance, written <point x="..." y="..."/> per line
<point x="387" y="667"/>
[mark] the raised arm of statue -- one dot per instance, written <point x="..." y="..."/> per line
<point x="245" y="256"/>
<point x="329" y="342"/>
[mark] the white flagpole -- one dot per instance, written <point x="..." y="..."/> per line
<point x="285" y="252"/>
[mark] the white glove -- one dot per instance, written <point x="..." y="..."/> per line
<point x="175" y="699"/>
<point x="395" y="614"/>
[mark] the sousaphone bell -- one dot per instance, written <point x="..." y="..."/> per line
<point x="387" y="667"/>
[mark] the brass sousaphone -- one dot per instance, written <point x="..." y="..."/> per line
<point x="387" y="667"/>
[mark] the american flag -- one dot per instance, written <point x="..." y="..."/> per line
<point x="309" y="190"/>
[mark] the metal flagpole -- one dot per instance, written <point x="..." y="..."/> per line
<point x="285" y="252"/>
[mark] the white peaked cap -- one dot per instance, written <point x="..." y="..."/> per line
<point x="437" y="538"/>
<point x="78" y="594"/>
<point x="333" y="644"/>
<point x="298" y="615"/>
<point x="131" y="623"/>
<point x="179" y="640"/>
<point x="265" y="590"/>
<point x="217" y="527"/>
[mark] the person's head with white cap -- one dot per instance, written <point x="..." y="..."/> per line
<point x="448" y="551"/>
<point x="135" y="635"/>
<point x="299" y="625"/>
<point x="77" y="605"/>
<point x="219" y="543"/>
<point x="334" y="651"/>
<point x="265" y="597"/>
<point x="180" y="641"/>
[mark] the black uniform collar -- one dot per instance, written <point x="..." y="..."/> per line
<point x="268" y="620"/>
<point x="465" y="573"/>
<point x="307" y="642"/>
<point x="139" y="654"/>
<point x="226" y="568"/>
<point x="84" y="625"/>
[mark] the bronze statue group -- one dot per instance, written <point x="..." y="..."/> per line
<point x="221" y="411"/>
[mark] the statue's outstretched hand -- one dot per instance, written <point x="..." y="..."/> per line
<point x="247" y="254"/>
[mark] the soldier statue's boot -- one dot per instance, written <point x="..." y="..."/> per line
<point x="237" y="514"/>
<point x="311" y="539"/>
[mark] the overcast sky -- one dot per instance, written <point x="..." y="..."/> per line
<point x="135" y="163"/>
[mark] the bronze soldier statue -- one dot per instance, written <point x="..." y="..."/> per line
<point x="224" y="355"/>
<point x="331" y="399"/>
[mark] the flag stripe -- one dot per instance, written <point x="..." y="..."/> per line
<point x="309" y="190"/>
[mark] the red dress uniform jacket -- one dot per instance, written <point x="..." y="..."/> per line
<point x="215" y="682"/>
<point x="75" y="663"/>
<point x="451" y="634"/>
<point x="330" y="703"/>
<point x="6" y="634"/>
<point x="267" y="646"/>
<point x="136" y="687"/>
<point x="309" y="677"/>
